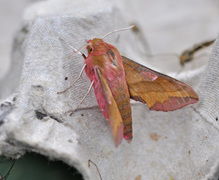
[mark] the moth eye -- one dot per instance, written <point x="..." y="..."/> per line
<point x="90" y="50"/>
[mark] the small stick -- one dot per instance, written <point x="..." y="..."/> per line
<point x="188" y="54"/>
<point x="89" y="161"/>
<point x="6" y="176"/>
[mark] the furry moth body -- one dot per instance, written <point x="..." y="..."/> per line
<point x="116" y="79"/>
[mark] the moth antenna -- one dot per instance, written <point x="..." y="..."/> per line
<point x="117" y="30"/>
<point x="73" y="81"/>
<point x="83" y="98"/>
<point x="76" y="51"/>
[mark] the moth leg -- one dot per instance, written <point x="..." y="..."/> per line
<point x="83" y="98"/>
<point x="74" y="80"/>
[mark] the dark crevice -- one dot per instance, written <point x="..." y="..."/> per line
<point x="5" y="109"/>
<point x="35" y="166"/>
<point x="40" y="115"/>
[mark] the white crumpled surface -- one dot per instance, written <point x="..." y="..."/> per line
<point x="181" y="145"/>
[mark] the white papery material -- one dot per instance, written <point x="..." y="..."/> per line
<point x="182" y="144"/>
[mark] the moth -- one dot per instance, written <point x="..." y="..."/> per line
<point x="116" y="78"/>
<point x="188" y="54"/>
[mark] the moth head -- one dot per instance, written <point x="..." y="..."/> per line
<point x="92" y="44"/>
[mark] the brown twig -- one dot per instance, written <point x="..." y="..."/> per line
<point x="6" y="176"/>
<point x="89" y="161"/>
